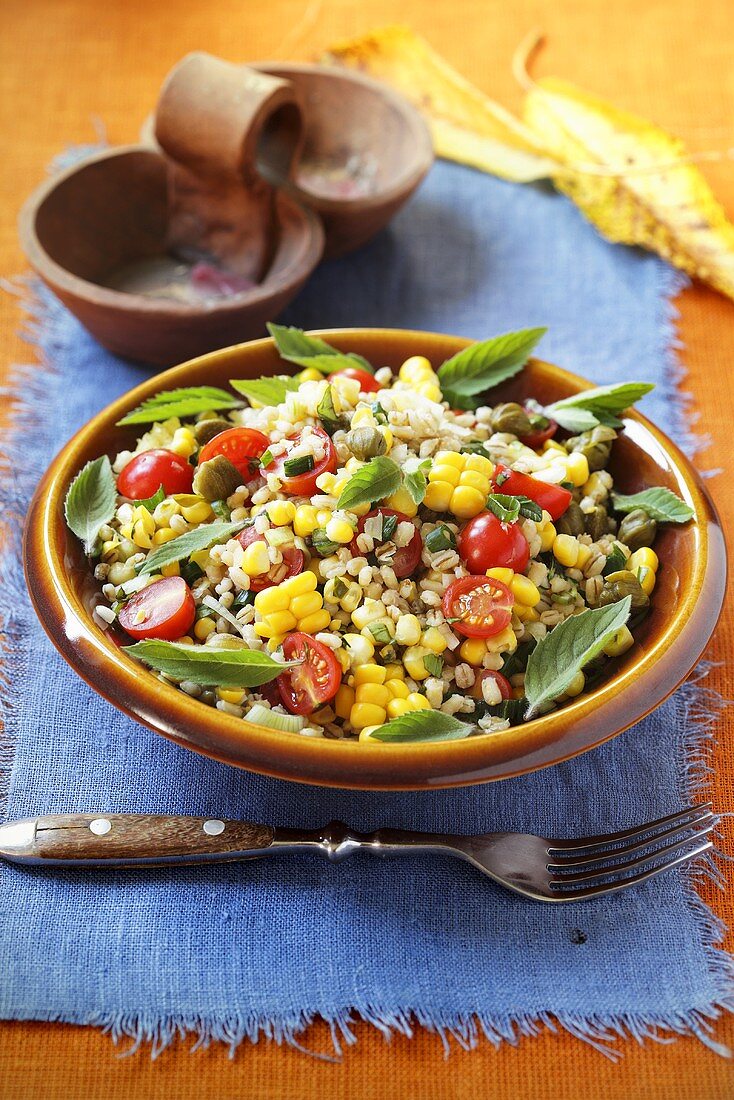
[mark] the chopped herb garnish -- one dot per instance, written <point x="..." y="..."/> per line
<point x="615" y="561"/>
<point x="294" y="467"/>
<point x="322" y="544"/>
<point x="433" y="663"/>
<point x="221" y="509"/>
<point x="389" y="527"/>
<point x="151" y="502"/>
<point x="380" y="633"/>
<point x="440" y="538"/>
<point x="266" y="458"/>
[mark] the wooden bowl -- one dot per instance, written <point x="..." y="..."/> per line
<point x="79" y="227"/>
<point x="685" y="606"/>
<point x="347" y="115"/>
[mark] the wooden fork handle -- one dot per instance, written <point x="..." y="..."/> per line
<point x="128" y="840"/>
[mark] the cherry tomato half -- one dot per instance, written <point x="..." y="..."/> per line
<point x="489" y="674"/>
<point x="553" y="498"/>
<point x="487" y="543"/>
<point x="165" y="609"/>
<point x="304" y="485"/>
<point x="481" y="606"/>
<point x="311" y="684"/>
<point x="367" y="382"/>
<point x="539" y="436"/>
<point x="407" y="557"/>
<point x="144" y="475"/>
<point x="242" y="446"/>
<point x="293" y="560"/>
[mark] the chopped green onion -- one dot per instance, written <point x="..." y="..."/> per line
<point x="293" y="467"/>
<point x="389" y="527"/>
<point x="340" y="588"/>
<point x="266" y="458"/>
<point x="221" y="509"/>
<point x="322" y="544"/>
<point x="440" y="538"/>
<point x="433" y="663"/>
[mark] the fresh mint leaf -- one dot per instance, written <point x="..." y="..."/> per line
<point x="91" y="500"/>
<point x="583" y="411"/>
<point x="266" y="391"/>
<point x="298" y="347"/>
<point x="433" y="663"/>
<point x="564" y="651"/>
<point x="422" y="725"/>
<point x="186" y="401"/>
<point x="661" y="504"/>
<point x="331" y="420"/>
<point x="201" y="538"/>
<point x="230" y="668"/>
<point x="481" y="366"/>
<point x="615" y="561"/>
<point x="379" y="478"/>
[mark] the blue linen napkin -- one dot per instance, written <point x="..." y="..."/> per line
<point x="231" y="952"/>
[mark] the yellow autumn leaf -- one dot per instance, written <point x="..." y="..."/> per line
<point x="466" y="125"/>
<point x="631" y="179"/>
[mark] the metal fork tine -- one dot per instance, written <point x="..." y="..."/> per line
<point x="630" y="880"/>
<point x="605" y="840"/>
<point x="605" y="854"/>
<point x="641" y="861"/>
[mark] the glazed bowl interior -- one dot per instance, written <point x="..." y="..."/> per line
<point x="669" y="641"/>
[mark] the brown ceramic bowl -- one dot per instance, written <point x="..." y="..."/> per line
<point x="79" y="227"/>
<point x="685" y="606"/>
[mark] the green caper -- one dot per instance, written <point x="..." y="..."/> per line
<point x="216" y="479"/>
<point x="366" y="442"/>
<point x="597" y="522"/>
<point x="511" y="419"/>
<point x="620" y="584"/>
<point x="637" y="529"/>
<point x="596" y="444"/>
<point x="572" y="521"/>
<point x="207" y="429"/>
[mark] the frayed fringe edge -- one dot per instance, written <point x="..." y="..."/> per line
<point x="31" y="400"/>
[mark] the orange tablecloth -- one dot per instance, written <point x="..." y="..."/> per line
<point x="67" y="64"/>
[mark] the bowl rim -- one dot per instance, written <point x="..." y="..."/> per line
<point x="410" y="176"/>
<point x="300" y="266"/>
<point x="336" y="763"/>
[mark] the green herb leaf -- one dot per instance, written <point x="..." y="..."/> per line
<point x="481" y="366"/>
<point x="660" y="504"/>
<point x="266" y="458"/>
<point x="150" y="502"/>
<point x="564" y="651"/>
<point x="422" y="725"/>
<point x="506" y="508"/>
<point x="331" y="420"/>
<point x="602" y="404"/>
<point x="379" y="478"/>
<point x="221" y="509"/>
<point x="186" y="401"/>
<point x="415" y="480"/>
<point x="378" y="412"/>
<point x="474" y="447"/>
<point x="322" y="544"/>
<point x="380" y="633"/>
<point x="389" y="527"/>
<point x="302" y="464"/>
<point x="266" y="391"/>
<point x="232" y="668"/>
<point x="511" y="709"/>
<point x="201" y="538"/>
<point x="433" y="663"/>
<point x="615" y="561"/>
<point x="440" y="538"/>
<point x="91" y="501"/>
<point x="310" y="351"/>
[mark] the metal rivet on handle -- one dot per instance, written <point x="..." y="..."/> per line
<point x="213" y="828"/>
<point x="100" y="826"/>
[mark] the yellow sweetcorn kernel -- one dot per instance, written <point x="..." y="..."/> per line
<point x="451" y="458"/>
<point x="524" y="591"/>
<point x="172" y="570"/>
<point x="647" y="579"/>
<point x="473" y="651"/>
<point x="458" y="483"/>
<point x="183" y="442"/>
<point x="296" y="586"/>
<point x="256" y="559"/>
<point x="275" y="642"/>
<point x="501" y="574"/>
<point x="314" y="623"/>
<point x="479" y="465"/>
<point x="231" y="695"/>
<point x="397" y="707"/>
<point x="323" y="516"/>
<point x="359" y="650"/>
<point x="200" y="512"/>
<point x="408" y="630"/>
<point x="438" y="496"/>
<point x="273" y="599"/>
<point x="164" y="511"/>
<point x="378" y="628"/>
<point x="398" y="688"/>
<point x="547" y="532"/>
<point x="476" y="481"/>
<point x="204" y="627"/>
<point x="370" y="674"/>
<point x="366" y="714"/>
<point x="445" y="472"/>
<point x="305" y="520"/>
<point x="584" y="555"/>
<point x="325" y="482"/>
<point x="577" y="468"/>
<point x="416" y="367"/>
<point x="401" y="501"/>
<point x="504" y="642"/>
<point x="377" y="694"/>
<point x="566" y="550"/>
<point x="338" y="530"/>
<point x="164" y="535"/>
<point x="526" y="614"/>
<point x="431" y="390"/>
<point x="281" y="513"/>
<point x="621" y="641"/>
<point x="551" y="445"/>
<point x="394" y="672"/>
<point x="644" y="558"/>
<point x="467" y="501"/>
<point x="278" y="622"/>
<point x="413" y="662"/>
<point x="344" y="701"/>
<point x="576" y="686"/>
<point x="306" y="604"/>
<point x="342" y="657"/>
<point x="365" y="735"/>
<point x="434" y="640"/>
<point x="369" y="611"/>
<point x="417" y="701"/>
<point x="309" y="374"/>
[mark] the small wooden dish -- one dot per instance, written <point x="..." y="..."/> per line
<point x="668" y="643"/>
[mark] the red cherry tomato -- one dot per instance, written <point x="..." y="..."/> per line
<point x="242" y="446"/>
<point x="304" y="485"/>
<point x="553" y="498"/>
<point x="538" y="437"/>
<point x="308" y="686"/>
<point x="481" y="606"/>
<point x="489" y="674"/>
<point x="487" y="543"/>
<point x="144" y="475"/>
<point x="293" y="560"/>
<point x="406" y="557"/>
<point x="165" y="609"/>
<point x="367" y="382"/>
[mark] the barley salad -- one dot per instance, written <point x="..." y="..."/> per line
<point x="356" y="552"/>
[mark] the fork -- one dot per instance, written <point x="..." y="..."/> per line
<point x="536" y="867"/>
